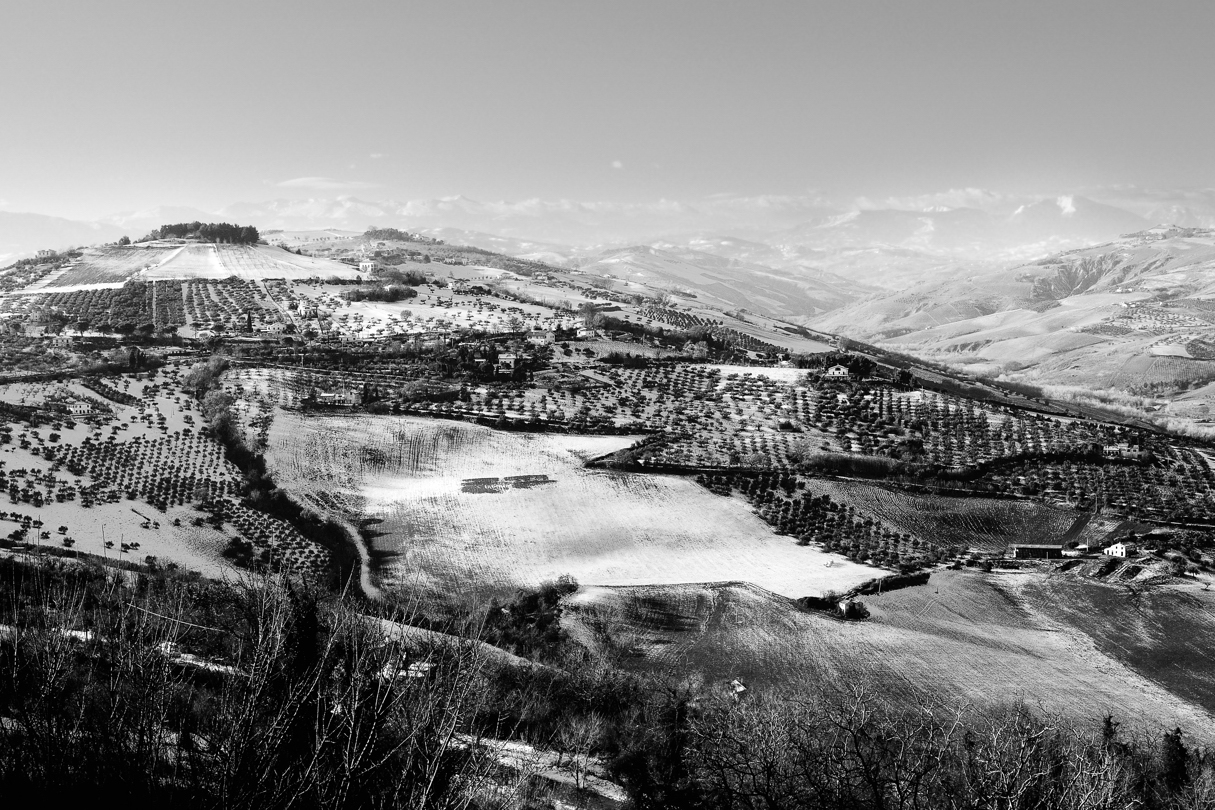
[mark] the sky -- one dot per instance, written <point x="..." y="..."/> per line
<point x="111" y="106"/>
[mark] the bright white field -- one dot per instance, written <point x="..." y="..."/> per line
<point x="789" y="376"/>
<point x="452" y="515"/>
<point x="245" y="261"/>
<point x="433" y="310"/>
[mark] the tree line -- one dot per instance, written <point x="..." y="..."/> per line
<point x="207" y="232"/>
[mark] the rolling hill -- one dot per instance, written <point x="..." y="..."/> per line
<point x="727" y="282"/>
<point x="1130" y="313"/>
<point x="113" y="265"/>
<point x="981" y="639"/>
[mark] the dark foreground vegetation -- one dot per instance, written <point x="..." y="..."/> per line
<point x="159" y="688"/>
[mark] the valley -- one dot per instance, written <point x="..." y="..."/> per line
<point x="669" y="481"/>
<point x="607" y="406"/>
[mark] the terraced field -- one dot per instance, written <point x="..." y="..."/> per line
<point x="469" y="505"/>
<point x="984" y="524"/>
<point x="111" y="265"/>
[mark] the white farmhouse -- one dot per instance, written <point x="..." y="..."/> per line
<point x="838" y="372"/>
<point x="1121" y="550"/>
<point x="541" y="337"/>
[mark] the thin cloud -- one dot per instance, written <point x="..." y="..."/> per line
<point x="616" y="164"/>
<point x="376" y="155"/>
<point x="953" y="198"/>
<point x="325" y="184"/>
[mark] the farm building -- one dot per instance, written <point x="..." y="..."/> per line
<point x="45" y="254"/>
<point x="1036" y="551"/>
<point x="541" y="337"/>
<point x="80" y="409"/>
<point x="366" y="266"/>
<point x="838" y="372"/>
<point x="342" y="398"/>
<point x="508" y="362"/>
<point x="1125" y="451"/>
<point x="1122" y="550"/>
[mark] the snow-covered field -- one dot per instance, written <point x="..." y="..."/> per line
<point x="466" y="504"/>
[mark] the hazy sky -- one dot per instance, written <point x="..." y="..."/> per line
<point x="107" y="106"/>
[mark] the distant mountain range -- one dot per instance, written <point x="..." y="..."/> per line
<point x="1097" y="316"/>
<point x="792" y="256"/>
<point x="22" y="234"/>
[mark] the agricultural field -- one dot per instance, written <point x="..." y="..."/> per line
<point x="191" y="261"/>
<point x="966" y="636"/>
<point x="981" y="524"/>
<point x="694" y="502"/>
<point x="134" y="477"/>
<point x="110" y="265"/>
<point x="230" y="304"/>
<point x="1159" y="632"/>
<point x="456" y="503"/>
<point x="898" y="529"/>
<point x="113" y="265"/>
<point x="724" y="421"/>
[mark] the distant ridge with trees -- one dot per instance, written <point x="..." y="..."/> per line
<point x="207" y="232"/>
<point x="387" y="234"/>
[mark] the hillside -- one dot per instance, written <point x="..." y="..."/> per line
<point x="1133" y="314"/>
<point x="169" y="260"/>
<point x="728" y="283"/>
<point x="970" y="232"/>
<point x="630" y="489"/>
<point x="983" y="639"/>
<point x="457" y="503"/>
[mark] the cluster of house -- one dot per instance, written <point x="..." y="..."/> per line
<point x="1123" y="450"/>
<point x="1056" y="551"/>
